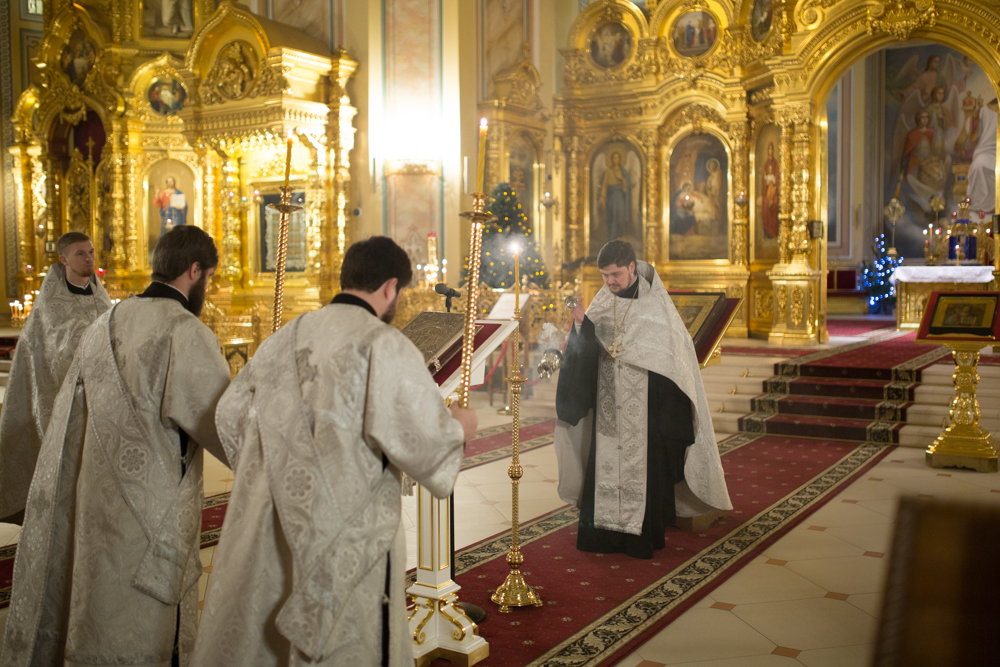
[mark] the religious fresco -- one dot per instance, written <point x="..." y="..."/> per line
<point x="169" y="198"/>
<point x="166" y="97"/>
<point x="761" y="17"/>
<point x="168" y="18"/>
<point x="78" y="57"/>
<point x="610" y="44"/>
<point x="766" y="189"/>
<point x="940" y="137"/>
<point x="616" y="196"/>
<point x="521" y="160"/>
<point x="695" y="33"/>
<point x="699" y="196"/>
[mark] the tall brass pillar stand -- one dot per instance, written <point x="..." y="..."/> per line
<point x="515" y="591"/>
<point x="964" y="444"/>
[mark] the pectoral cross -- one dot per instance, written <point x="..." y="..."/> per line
<point x="616" y="348"/>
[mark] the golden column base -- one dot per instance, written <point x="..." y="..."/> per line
<point x="964" y="444"/>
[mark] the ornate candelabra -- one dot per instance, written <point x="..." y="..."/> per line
<point x="285" y="208"/>
<point x="515" y="591"/>
<point x="893" y="211"/>
<point x="934" y="248"/>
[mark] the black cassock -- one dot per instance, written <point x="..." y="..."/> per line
<point x="670" y="432"/>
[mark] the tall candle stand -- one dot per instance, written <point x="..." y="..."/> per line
<point x="515" y="591"/>
<point x="285" y="208"/>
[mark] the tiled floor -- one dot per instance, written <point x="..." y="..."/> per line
<point x="810" y="599"/>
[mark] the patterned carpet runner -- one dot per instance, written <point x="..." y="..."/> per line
<point x="858" y="392"/>
<point x="599" y="607"/>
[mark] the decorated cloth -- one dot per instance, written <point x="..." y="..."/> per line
<point x="107" y="567"/>
<point x="655" y="343"/>
<point x="318" y="427"/>
<point x="942" y="274"/>
<point x="43" y="354"/>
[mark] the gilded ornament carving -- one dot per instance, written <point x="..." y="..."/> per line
<point x="761" y="95"/>
<point x="697" y="116"/>
<point x="795" y="310"/>
<point x="763" y="303"/>
<point x="271" y="81"/>
<point x="781" y="294"/>
<point x="574" y="230"/>
<point x="900" y="18"/>
<point x="232" y="75"/>
<point x="520" y="86"/>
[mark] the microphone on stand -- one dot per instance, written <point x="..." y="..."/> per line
<point x="448" y="294"/>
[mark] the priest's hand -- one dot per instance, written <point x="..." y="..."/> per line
<point x="467" y="417"/>
<point x="579" y="311"/>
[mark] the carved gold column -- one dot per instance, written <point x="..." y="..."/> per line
<point x="340" y="139"/>
<point x="740" y="249"/>
<point x="118" y="232"/>
<point x="230" y="264"/>
<point x="650" y="139"/>
<point x="795" y="282"/>
<point x="26" y="229"/>
<point x="130" y="181"/>
<point x="318" y="226"/>
<point x="574" y="234"/>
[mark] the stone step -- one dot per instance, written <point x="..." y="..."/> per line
<point x="5" y="365"/>
<point x="748" y="386"/>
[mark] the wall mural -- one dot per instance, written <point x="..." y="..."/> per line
<point x="610" y="44"/>
<point x="694" y="33"/>
<point x="940" y="129"/>
<point x="616" y="196"/>
<point x="170" y="198"/>
<point x="699" y="196"/>
<point x="78" y="57"/>
<point x="168" y="18"/>
<point x="767" y="186"/>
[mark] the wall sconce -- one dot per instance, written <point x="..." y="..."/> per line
<point x="548" y="201"/>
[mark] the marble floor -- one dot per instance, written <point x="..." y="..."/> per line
<point x="812" y="598"/>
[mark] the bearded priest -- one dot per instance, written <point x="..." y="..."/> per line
<point x="107" y="567"/>
<point x="634" y="441"/>
<point x="70" y="299"/>
<point x="318" y="426"/>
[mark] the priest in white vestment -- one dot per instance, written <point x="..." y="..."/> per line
<point x="107" y="566"/>
<point x="634" y="441"/>
<point x="318" y="427"/>
<point x="70" y="299"/>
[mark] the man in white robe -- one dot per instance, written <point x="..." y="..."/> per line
<point x="635" y="443"/>
<point x="70" y="299"/>
<point x="318" y="427"/>
<point x="107" y="567"/>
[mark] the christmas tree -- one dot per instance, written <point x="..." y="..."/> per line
<point x="510" y="228"/>
<point x="881" y="291"/>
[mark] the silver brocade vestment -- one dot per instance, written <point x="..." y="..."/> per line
<point x="300" y="571"/>
<point x="655" y="340"/>
<point x="109" y="549"/>
<point x="44" y="352"/>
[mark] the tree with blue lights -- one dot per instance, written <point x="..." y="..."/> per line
<point x="875" y="278"/>
<point x="511" y="226"/>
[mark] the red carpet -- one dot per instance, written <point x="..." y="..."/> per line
<point x="600" y="607"/>
<point x="856" y="327"/>
<point x="894" y="357"/>
<point x="494" y="443"/>
<point x="765" y="351"/>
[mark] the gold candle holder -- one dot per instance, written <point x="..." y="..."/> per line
<point x="285" y="208"/>
<point x="478" y="217"/>
<point x="515" y="591"/>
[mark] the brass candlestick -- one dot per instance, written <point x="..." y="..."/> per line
<point x="515" y="591"/>
<point x="285" y="208"/>
<point x="894" y="210"/>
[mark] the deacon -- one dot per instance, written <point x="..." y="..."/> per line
<point x="107" y="567"/>
<point x="318" y="427"/>
<point x="634" y="442"/>
<point x="70" y="299"/>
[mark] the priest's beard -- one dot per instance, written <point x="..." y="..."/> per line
<point x="196" y="297"/>
<point x="390" y="311"/>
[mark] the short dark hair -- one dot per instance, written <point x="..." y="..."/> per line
<point x="68" y="239"/>
<point x="620" y="253"/>
<point x="181" y="247"/>
<point x="369" y="263"/>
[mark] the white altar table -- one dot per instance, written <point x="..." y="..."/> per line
<point x="914" y="285"/>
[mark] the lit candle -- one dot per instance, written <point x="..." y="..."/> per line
<point x="444" y="271"/>
<point x="483" y="126"/>
<point x="517" y="279"/>
<point x="288" y="162"/>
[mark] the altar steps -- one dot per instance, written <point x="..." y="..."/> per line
<point x="746" y="395"/>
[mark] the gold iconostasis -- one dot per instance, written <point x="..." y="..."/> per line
<point x="742" y="147"/>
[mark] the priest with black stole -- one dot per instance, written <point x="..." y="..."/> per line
<point x="107" y="566"/>
<point x="634" y="442"/>
<point x="70" y="299"/>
